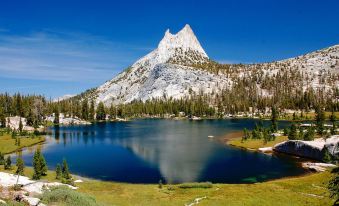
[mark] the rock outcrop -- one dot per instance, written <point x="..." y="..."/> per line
<point x="310" y="149"/>
<point x="13" y="123"/>
<point x="27" y="187"/>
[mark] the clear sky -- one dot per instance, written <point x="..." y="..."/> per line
<point x="57" y="47"/>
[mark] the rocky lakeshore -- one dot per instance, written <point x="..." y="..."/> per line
<point x="22" y="189"/>
<point x="315" y="149"/>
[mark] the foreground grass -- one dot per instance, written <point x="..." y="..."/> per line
<point x="255" y="143"/>
<point x="305" y="190"/>
<point x="7" y="143"/>
<point x="308" y="190"/>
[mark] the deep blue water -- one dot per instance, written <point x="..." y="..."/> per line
<point x="145" y="151"/>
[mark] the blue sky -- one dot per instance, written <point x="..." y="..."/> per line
<point x="57" y="47"/>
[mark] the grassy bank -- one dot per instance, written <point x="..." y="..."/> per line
<point x="255" y="143"/>
<point x="7" y="143"/>
<point x="306" y="116"/>
<point x="305" y="190"/>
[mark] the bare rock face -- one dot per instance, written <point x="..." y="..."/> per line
<point x="179" y="66"/>
<point x="332" y="144"/>
<point x="310" y="149"/>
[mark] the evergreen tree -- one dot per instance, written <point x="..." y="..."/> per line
<point x="13" y="134"/>
<point x="20" y="166"/>
<point x="309" y="135"/>
<point x="101" y="115"/>
<point x="65" y="170"/>
<point x="37" y="165"/>
<point x="91" y="111"/>
<point x="2" y="118"/>
<point x="246" y="135"/>
<point x="43" y="164"/>
<point x="301" y="134"/>
<point x="20" y="125"/>
<point x="286" y="131"/>
<point x="320" y="118"/>
<point x="333" y="119"/>
<point x="30" y="118"/>
<point x="274" y="119"/>
<point x="326" y="155"/>
<point x="56" y="116"/>
<point x="84" y="109"/>
<point x="2" y="159"/>
<point x="8" y="163"/>
<point x="333" y="186"/>
<point x="292" y="135"/>
<point x="58" y="172"/>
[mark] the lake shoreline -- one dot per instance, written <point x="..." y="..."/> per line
<point x="43" y="140"/>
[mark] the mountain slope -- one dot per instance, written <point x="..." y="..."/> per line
<point x="179" y="66"/>
<point x="161" y="72"/>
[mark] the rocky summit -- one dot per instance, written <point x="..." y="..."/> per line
<point x="180" y="67"/>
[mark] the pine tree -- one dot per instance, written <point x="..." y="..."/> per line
<point x="274" y="119"/>
<point x="20" y="164"/>
<point x="309" y="135"/>
<point x="43" y="165"/>
<point x="333" y="185"/>
<point x="2" y="159"/>
<point x="292" y="135"/>
<point x="320" y="118"/>
<point x="326" y="155"/>
<point x="2" y="118"/>
<point x="20" y="125"/>
<point x="8" y="163"/>
<point x="30" y="118"/>
<point x="84" y="109"/>
<point x="56" y="116"/>
<point x="101" y="115"/>
<point x="13" y="134"/>
<point x="58" y="172"/>
<point x="91" y="111"/>
<point x="65" y="170"/>
<point x="37" y="165"/>
<point x="333" y="119"/>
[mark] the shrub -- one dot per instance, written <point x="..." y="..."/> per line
<point x="326" y="155"/>
<point x="196" y="185"/>
<point x="333" y="185"/>
<point x="8" y="163"/>
<point x="67" y="197"/>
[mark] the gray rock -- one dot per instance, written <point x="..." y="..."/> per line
<point x="332" y="144"/>
<point x="32" y="201"/>
<point x="310" y="149"/>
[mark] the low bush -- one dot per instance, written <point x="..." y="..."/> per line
<point x="196" y="185"/>
<point x="67" y="197"/>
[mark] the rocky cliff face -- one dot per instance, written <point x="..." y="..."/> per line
<point x="180" y="66"/>
<point x="310" y="149"/>
<point x="160" y="73"/>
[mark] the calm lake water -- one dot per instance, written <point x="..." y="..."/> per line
<point x="145" y="151"/>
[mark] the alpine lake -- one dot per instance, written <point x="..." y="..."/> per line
<point x="149" y="150"/>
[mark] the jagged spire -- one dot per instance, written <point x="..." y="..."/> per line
<point x="184" y="39"/>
